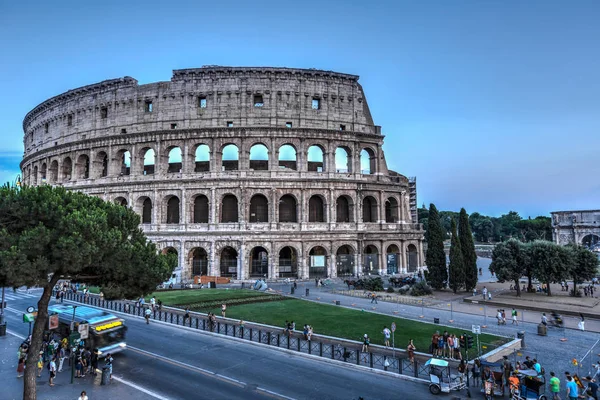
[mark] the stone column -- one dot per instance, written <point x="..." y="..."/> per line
<point x="404" y="268"/>
<point x="241" y="270"/>
<point x="333" y="266"/>
<point x="382" y="260"/>
<point x="214" y="266"/>
<point x="182" y="261"/>
<point x="213" y="210"/>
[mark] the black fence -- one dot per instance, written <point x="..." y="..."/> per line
<point x="322" y="347"/>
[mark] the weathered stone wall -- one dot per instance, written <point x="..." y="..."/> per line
<point x="575" y="226"/>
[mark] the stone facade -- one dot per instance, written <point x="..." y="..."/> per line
<point x="581" y="227"/>
<point x="243" y="172"/>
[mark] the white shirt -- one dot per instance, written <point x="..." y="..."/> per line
<point x="152" y="301"/>
<point x="148" y="312"/>
<point x="386" y="333"/>
<point x="84" y="397"/>
<point x="52" y="366"/>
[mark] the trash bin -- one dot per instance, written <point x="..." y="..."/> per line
<point x="105" y="376"/>
<point x="521" y="335"/>
<point x="436" y="320"/>
<point x="3" y="329"/>
<point x="307" y="291"/>
<point x="542" y="330"/>
<point x="292" y="290"/>
<point x="337" y="302"/>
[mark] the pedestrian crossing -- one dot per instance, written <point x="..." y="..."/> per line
<point x="9" y="294"/>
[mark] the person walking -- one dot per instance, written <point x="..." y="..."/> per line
<point x="544" y="319"/>
<point x="109" y="364"/>
<point x="52" y="369"/>
<point x="373" y="298"/>
<point x="386" y="336"/>
<point x="411" y="351"/>
<point x="572" y="389"/>
<point x="366" y="342"/>
<point x="581" y="324"/>
<point x="40" y="364"/>
<point x="21" y="367"/>
<point x="554" y="386"/>
<point x="484" y="292"/>
<point x="476" y="371"/>
<point x="592" y="388"/>
<point x="147" y="314"/>
<point x="186" y="315"/>
<point x="514" y="317"/>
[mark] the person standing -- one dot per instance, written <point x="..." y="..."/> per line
<point x="186" y="315"/>
<point x="83" y="396"/>
<point x="21" y="367"/>
<point x="109" y="364"/>
<point x="476" y="371"/>
<point x="40" y="364"/>
<point x="581" y="324"/>
<point x="147" y="314"/>
<point x="411" y="351"/>
<point x="223" y="309"/>
<point x="572" y="390"/>
<point x="514" y="317"/>
<point x="386" y="336"/>
<point x="507" y="370"/>
<point x="484" y="291"/>
<point x="153" y="302"/>
<point x="62" y="355"/>
<point x="592" y="388"/>
<point x="94" y="361"/>
<point x="544" y="319"/>
<point x="554" y="386"/>
<point x="366" y="342"/>
<point x="52" y="371"/>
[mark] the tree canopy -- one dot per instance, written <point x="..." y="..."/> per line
<point x="435" y="257"/>
<point x="467" y="246"/>
<point x="48" y="233"/>
<point x="508" y="262"/>
<point x="456" y="269"/>
<point x="584" y="267"/>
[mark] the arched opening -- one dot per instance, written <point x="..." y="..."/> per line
<point x="228" y="264"/>
<point x="43" y="172"/>
<point x="590" y="241"/>
<point x="230" y="158"/>
<point x="413" y="258"/>
<point x="259" y="157"/>
<point x="35" y="175"/>
<point x="343" y="161"/>
<point x="124" y="159"/>
<point x="175" y="160"/>
<point x="146" y="211"/>
<point x="172" y="252"/>
<point x="370" y="260"/>
<point x="316" y="209"/>
<point x="392" y="259"/>
<point x="173" y="204"/>
<point x="122" y="201"/>
<point x="369" y="209"/>
<point x="259" y="263"/>
<point x="344" y="261"/>
<point x="54" y="171"/>
<point x="101" y="165"/>
<point x="201" y="209"/>
<point x="367" y="162"/>
<point x="287" y="157"/>
<point x="288" y="263"/>
<point x="199" y="261"/>
<point x="344" y="209"/>
<point x="259" y="208"/>
<point x="149" y="161"/>
<point x="287" y="209"/>
<point x="315" y="159"/>
<point x="202" y="158"/>
<point x="391" y="210"/>
<point x="67" y="169"/>
<point x="83" y="167"/>
<point x="229" y="209"/>
<point x="317" y="262"/>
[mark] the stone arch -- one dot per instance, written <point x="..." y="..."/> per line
<point x="393" y="256"/>
<point x="54" y="171"/>
<point x="173" y="210"/>
<point x="228" y="262"/>
<point x="175" y="159"/>
<point x="202" y="158"/>
<point x="67" y="169"/>
<point x="259" y="209"/>
<point x="259" y="157"/>
<point x="144" y="203"/>
<point x="230" y="157"/>
<point x="590" y="240"/>
<point x="369" y="209"/>
<point x="229" y="208"/>
<point x="391" y="210"/>
<point x="198" y="259"/>
<point x="201" y="211"/>
<point x="370" y="259"/>
<point x="344" y="260"/>
<point x="148" y="156"/>
<point x="317" y="211"/>
<point x="343" y="159"/>
<point x="83" y="167"/>
<point x="344" y="209"/>
<point x="288" y="208"/>
<point x="317" y="262"/>
<point x="43" y="172"/>
<point x="259" y="262"/>
<point x="101" y="165"/>
<point x="123" y="161"/>
<point x="288" y="156"/>
<point x="316" y="159"/>
<point x="122" y="201"/>
<point x="35" y="175"/>
<point x="412" y="258"/>
<point x="368" y="161"/>
<point x="288" y="262"/>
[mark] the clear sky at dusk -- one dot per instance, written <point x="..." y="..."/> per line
<point x="494" y="106"/>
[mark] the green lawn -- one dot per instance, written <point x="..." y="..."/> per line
<point x="192" y="296"/>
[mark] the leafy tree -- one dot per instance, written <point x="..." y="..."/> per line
<point x="482" y="227"/>
<point x="467" y="247"/>
<point x="456" y="269"/>
<point x="48" y="234"/>
<point x="585" y="265"/>
<point x="446" y="218"/>
<point x="550" y="262"/>
<point x="423" y="217"/>
<point x="435" y="256"/>
<point x="508" y="259"/>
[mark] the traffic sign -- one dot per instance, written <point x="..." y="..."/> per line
<point x="52" y="321"/>
<point x="83" y="330"/>
<point x="476" y="329"/>
<point x="393" y="327"/>
<point x="29" y="317"/>
<point x="30" y="309"/>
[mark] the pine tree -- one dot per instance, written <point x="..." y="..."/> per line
<point x="456" y="267"/>
<point x="467" y="246"/>
<point x="435" y="257"/>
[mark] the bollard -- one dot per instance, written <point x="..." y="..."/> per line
<point x="521" y="335"/>
<point x="307" y="291"/>
<point x="105" y="376"/>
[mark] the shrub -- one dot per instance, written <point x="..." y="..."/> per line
<point x="421" y="289"/>
<point x="390" y="290"/>
<point x="574" y="293"/>
<point x="374" y="284"/>
<point x="403" y="290"/>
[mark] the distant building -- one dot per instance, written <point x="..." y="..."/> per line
<point x="581" y="227"/>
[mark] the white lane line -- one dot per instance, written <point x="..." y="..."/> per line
<point x="15" y="334"/>
<point x="260" y="389"/>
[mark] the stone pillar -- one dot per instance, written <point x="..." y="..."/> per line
<point x="184" y="207"/>
<point x="403" y="257"/>
<point x="382" y="260"/>
<point x="333" y="266"/>
<point x="182" y="260"/>
<point x="214" y="266"/>
<point x="156" y="205"/>
<point x="213" y="209"/>
<point x="241" y="270"/>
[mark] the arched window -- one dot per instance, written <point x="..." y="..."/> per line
<point x="147" y="211"/>
<point x="393" y="259"/>
<point x="67" y="169"/>
<point x="202" y="158"/>
<point x="288" y="262"/>
<point x="315" y="159"/>
<point x="149" y="161"/>
<point x="35" y="175"/>
<point x="259" y="157"/>
<point x="124" y="158"/>
<point x="344" y="258"/>
<point x="317" y="262"/>
<point x="199" y="261"/>
<point x="287" y="157"/>
<point x="344" y="208"/>
<point x="175" y="161"/>
<point x="369" y="209"/>
<point x="122" y="201"/>
<point x="83" y="167"/>
<point x="413" y="258"/>
<point x="230" y="158"/>
<point x="173" y="210"/>
<point x="43" y="172"/>
<point x="391" y="210"/>
<point x="259" y="209"/>
<point x="201" y="210"/>
<point x="259" y="262"/>
<point x="229" y="209"/>
<point x="287" y="209"/>
<point x="316" y="209"/>
<point x="101" y="165"/>
<point x="228" y="262"/>
<point x="54" y="171"/>
<point x="367" y="162"/>
<point x="370" y="260"/>
<point x="343" y="161"/>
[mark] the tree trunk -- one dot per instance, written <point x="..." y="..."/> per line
<point x="37" y="336"/>
<point x="574" y="286"/>
<point x="548" y="288"/>
<point x="529" y="286"/>
<point x="518" y="288"/>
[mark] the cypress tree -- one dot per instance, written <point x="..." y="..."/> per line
<point x="467" y="245"/>
<point x="456" y="267"/>
<point x="435" y="256"/>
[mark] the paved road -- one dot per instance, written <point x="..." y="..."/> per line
<point x="174" y="363"/>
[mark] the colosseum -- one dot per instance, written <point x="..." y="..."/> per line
<point x="243" y="172"/>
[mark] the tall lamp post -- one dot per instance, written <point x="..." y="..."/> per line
<point x="17" y="184"/>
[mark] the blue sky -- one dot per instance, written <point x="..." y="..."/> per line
<point x="494" y="106"/>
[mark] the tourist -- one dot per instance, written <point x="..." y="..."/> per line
<point x="434" y="343"/>
<point x="147" y="314"/>
<point x="411" y="351"/>
<point x="305" y="332"/>
<point x="514" y="317"/>
<point x="572" y="390"/>
<point x="554" y="386"/>
<point x="386" y="336"/>
<point x="581" y="324"/>
<point x="293" y="326"/>
<point x="544" y="319"/>
<point x="373" y="298"/>
<point x="457" y="354"/>
<point x="462" y="369"/>
<point x="310" y="332"/>
<point x="476" y="371"/>
<point x="62" y="355"/>
<point x="480" y="271"/>
<point x="366" y="342"/>
<point x="94" y="361"/>
<point x="186" y="315"/>
<point x="223" y="309"/>
<point x="40" y="364"/>
<point x="153" y="302"/>
<point x="592" y="388"/>
<point x="20" y="367"/>
<point x="537" y="367"/>
<point x="159" y="302"/>
<point x="87" y="361"/>
<point x="489" y="295"/>
<point x="499" y="317"/>
<point x="513" y="383"/>
<point x="52" y="369"/>
<point x="78" y="367"/>
<point x="449" y="345"/>
<point x="108" y="363"/>
<point x="507" y="369"/>
<point x="484" y="291"/>
<point x="83" y="396"/>
<point x="441" y="343"/>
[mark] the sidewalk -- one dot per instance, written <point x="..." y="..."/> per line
<point x="12" y="387"/>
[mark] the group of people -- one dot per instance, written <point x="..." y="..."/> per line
<point x="445" y="345"/>
<point x="501" y="317"/>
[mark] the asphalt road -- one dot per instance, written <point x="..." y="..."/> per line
<point x="173" y="363"/>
